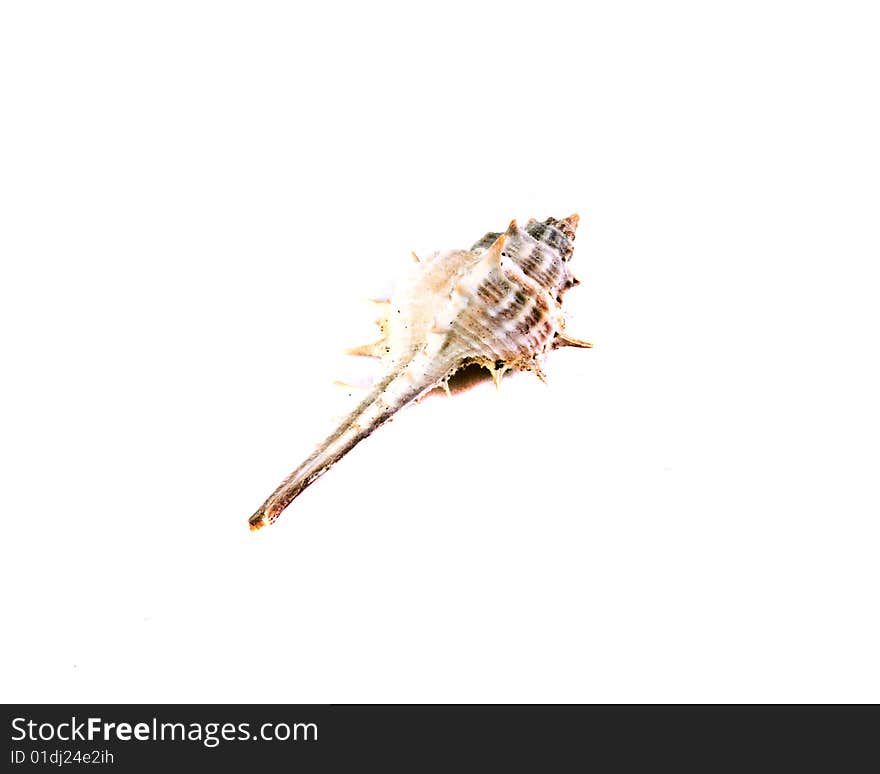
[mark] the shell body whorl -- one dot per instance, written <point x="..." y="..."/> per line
<point x="498" y="304"/>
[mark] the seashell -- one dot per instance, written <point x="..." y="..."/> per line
<point x="498" y="304"/>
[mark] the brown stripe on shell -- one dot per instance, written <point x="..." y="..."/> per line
<point x="542" y="265"/>
<point x="541" y="260"/>
<point x="552" y="236"/>
<point x="514" y="308"/>
<point x="491" y="292"/>
<point x="526" y="323"/>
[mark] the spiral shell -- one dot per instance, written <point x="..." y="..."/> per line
<point x="498" y="304"/>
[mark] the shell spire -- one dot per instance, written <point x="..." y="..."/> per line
<point x="497" y="304"/>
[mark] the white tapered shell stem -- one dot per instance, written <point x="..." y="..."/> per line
<point x="498" y="304"/>
<point x="388" y="396"/>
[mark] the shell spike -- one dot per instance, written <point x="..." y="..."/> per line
<point x="568" y="225"/>
<point x="493" y="254"/>
<point x="564" y="340"/>
<point x="376" y="349"/>
<point x="536" y="369"/>
<point x="497" y="374"/>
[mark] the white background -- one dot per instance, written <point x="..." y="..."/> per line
<point x="196" y="196"/>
